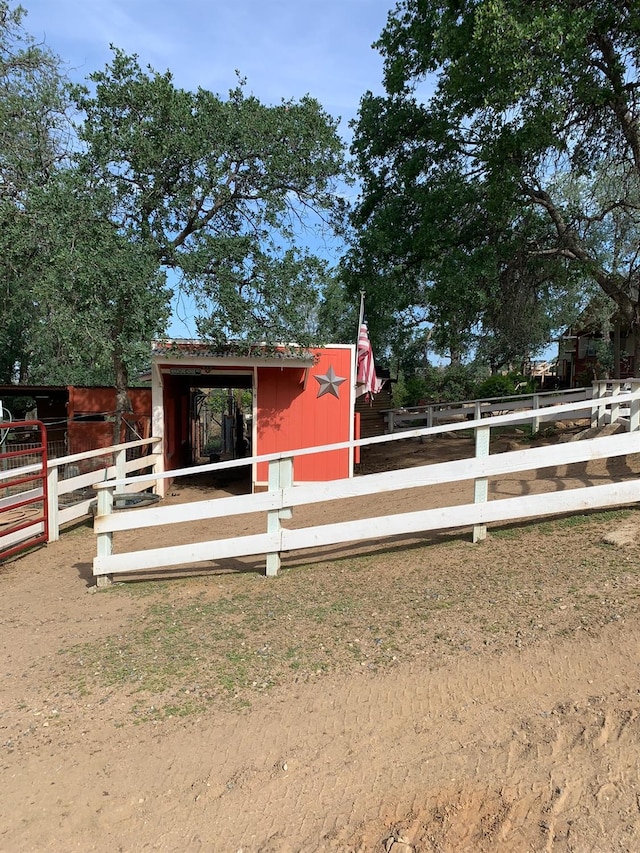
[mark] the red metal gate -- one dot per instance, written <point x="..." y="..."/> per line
<point x="24" y="518"/>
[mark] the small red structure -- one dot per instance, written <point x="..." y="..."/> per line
<point x="91" y="413"/>
<point x="79" y="418"/>
<point x="299" y="398"/>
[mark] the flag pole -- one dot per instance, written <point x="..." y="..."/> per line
<point x="361" y="316"/>
<point x="360" y="321"/>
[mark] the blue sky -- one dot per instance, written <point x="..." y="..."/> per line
<point x="284" y="49"/>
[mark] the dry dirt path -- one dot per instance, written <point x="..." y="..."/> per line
<point x="522" y="736"/>
<point x="533" y="750"/>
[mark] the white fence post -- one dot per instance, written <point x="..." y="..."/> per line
<point x="286" y="480"/>
<point x="535" y="420"/>
<point x="52" y="504"/>
<point x="481" y="489"/>
<point x="280" y="477"/>
<point x="595" y="393"/>
<point x="615" y="405"/>
<point x="120" y="460"/>
<point x="273" y="520"/>
<point x="634" y="408"/>
<point x="105" y="540"/>
<point x="598" y="409"/>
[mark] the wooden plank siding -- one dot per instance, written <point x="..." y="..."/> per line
<point x="373" y="414"/>
<point x="292" y="414"/>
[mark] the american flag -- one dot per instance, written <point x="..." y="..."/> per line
<point x="367" y="381"/>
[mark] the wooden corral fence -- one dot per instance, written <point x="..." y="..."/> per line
<point x="69" y="491"/>
<point x="72" y="478"/>
<point x="282" y="495"/>
<point x="431" y="414"/>
<point x="23" y="487"/>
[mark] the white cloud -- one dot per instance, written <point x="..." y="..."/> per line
<point x="285" y="48"/>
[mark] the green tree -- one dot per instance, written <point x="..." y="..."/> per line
<point x="81" y="299"/>
<point x="337" y="313"/>
<point x="215" y="190"/>
<point x="101" y="296"/>
<point x="34" y="138"/>
<point x="218" y="190"/>
<point x="531" y="98"/>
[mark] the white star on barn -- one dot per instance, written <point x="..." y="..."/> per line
<point x="329" y="383"/>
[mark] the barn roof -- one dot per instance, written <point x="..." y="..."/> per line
<point x="278" y="355"/>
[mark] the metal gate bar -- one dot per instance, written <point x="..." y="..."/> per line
<point x="23" y="488"/>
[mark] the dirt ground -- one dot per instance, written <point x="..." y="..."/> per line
<point x="409" y="696"/>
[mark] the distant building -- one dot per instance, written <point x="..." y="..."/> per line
<point x="578" y="351"/>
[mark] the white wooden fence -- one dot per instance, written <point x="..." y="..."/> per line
<point x="120" y="469"/>
<point x="282" y="495"/>
<point x="70" y="488"/>
<point x="431" y="414"/>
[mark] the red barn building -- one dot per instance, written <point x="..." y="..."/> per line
<point x="299" y="398"/>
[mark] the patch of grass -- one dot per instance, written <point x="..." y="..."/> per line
<point x="605" y="516"/>
<point x="505" y="533"/>
<point x="228" y="647"/>
<point x="203" y="643"/>
<point x="143" y="713"/>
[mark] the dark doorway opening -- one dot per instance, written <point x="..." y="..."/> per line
<point x="221" y="426"/>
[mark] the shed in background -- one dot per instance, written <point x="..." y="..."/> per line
<point x="78" y="418"/>
<point x="298" y="398"/>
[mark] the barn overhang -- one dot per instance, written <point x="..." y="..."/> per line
<point x="188" y="353"/>
<point x="214" y="367"/>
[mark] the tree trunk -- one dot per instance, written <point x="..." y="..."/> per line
<point x="123" y="404"/>
<point x="616" y="349"/>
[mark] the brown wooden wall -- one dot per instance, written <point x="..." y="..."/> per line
<point x="372" y="420"/>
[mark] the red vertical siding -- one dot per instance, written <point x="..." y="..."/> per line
<point x="103" y="400"/>
<point x="291" y="416"/>
<point x="83" y="435"/>
<point x="176" y="422"/>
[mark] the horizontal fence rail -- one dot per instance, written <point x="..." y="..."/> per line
<point x="564" y="411"/>
<point x="23" y="488"/>
<point x="282" y="495"/>
<point x="431" y="414"/>
<point x="70" y="480"/>
<point x="72" y="495"/>
<point x="398" y="420"/>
